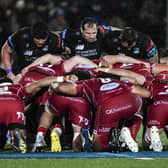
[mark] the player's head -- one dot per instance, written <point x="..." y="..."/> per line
<point x="39" y="32"/>
<point x="81" y="74"/>
<point x="128" y="38"/>
<point x="162" y="77"/>
<point x="89" y="29"/>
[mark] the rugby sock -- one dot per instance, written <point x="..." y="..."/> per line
<point x="43" y="130"/>
<point x="58" y="128"/>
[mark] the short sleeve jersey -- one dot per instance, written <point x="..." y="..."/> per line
<point x="74" y="40"/>
<point x="99" y="90"/>
<point x="158" y="89"/>
<point x="38" y="72"/>
<point x="21" y="42"/>
<point x="15" y="91"/>
<point x="144" y="48"/>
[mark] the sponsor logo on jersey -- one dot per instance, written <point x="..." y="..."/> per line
<point x="86" y="53"/>
<point x="28" y="52"/>
<point x="79" y="47"/>
<point x="84" y="66"/>
<point x="113" y="110"/>
<point x="109" y="86"/>
<point x="103" y="129"/>
<point x="153" y="122"/>
<point x="83" y="120"/>
<point x="115" y="40"/>
<point x="136" y="50"/>
<point x="45" y="48"/>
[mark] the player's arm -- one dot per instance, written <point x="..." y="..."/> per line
<point x="47" y="58"/>
<point x="143" y="92"/>
<point x="115" y="28"/>
<point x="6" y="60"/>
<point x="156" y="68"/>
<point x="69" y="89"/>
<point x="137" y="78"/>
<point x="36" y="86"/>
<point x="154" y="59"/>
<point x="113" y="59"/>
<point x="164" y="60"/>
<point x="76" y="60"/>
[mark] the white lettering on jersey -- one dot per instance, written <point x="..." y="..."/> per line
<point x="109" y="86"/>
<point x="84" y="66"/>
<point x="125" y="65"/>
<point x="28" y="52"/>
<point x="113" y="110"/>
<point x="80" y="47"/>
<point x="105" y="80"/>
<point x="20" y="115"/>
<point x="4" y="90"/>
<point x="103" y="129"/>
<point x="83" y="120"/>
<point x="86" y="53"/>
<point x="136" y="50"/>
<point x="46" y="68"/>
<point x="45" y="48"/>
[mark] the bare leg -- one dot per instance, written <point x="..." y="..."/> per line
<point x="77" y="141"/>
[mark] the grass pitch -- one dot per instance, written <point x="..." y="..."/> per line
<point x="83" y="163"/>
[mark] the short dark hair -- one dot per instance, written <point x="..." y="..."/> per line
<point x="81" y="74"/>
<point x="39" y="30"/>
<point x="88" y="20"/>
<point x="129" y="35"/>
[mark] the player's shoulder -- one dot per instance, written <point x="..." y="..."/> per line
<point x="24" y="30"/>
<point x="22" y="33"/>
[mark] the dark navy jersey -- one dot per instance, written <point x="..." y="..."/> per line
<point x="21" y="42"/>
<point x="144" y="48"/>
<point x="79" y="46"/>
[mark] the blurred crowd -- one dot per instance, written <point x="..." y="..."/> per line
<point x="148" y="16"/>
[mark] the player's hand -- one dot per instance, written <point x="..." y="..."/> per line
<point x="17" y="78"/>
<point x="70" y="78"/>
<point x="11" y="76"/>
<point x="102" y="69"/>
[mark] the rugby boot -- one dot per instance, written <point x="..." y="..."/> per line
<point x="55" y="141"/>
<point x="126" y="138"/>
<point x="156" y="143"/>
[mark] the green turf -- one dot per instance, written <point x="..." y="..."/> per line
<point x="83" y="163"/>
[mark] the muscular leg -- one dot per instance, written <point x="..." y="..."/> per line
<point x="44" y="124"/>
<point x="77" y="141"/>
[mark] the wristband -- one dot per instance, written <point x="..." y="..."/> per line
<point x="8" y="71"/>
<point x="60" y="79"/>
<point x="106" y="69"/>
<point x="54" y="85"/>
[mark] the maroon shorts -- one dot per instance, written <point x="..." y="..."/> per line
<point x="77" y="107"/>
<point x="11" y="109"/>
